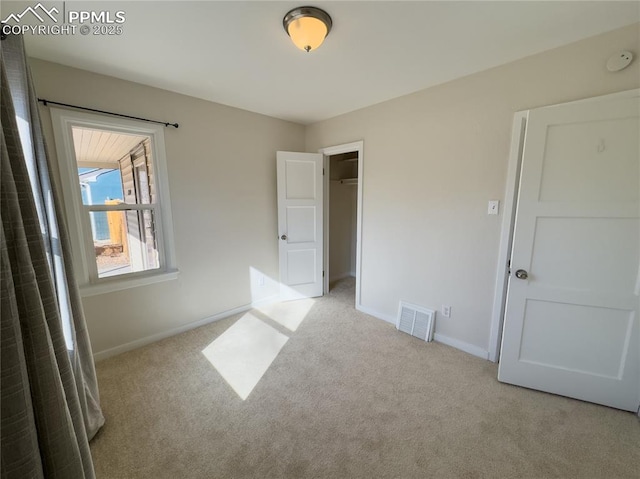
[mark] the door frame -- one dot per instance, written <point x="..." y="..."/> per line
<point x="518" y="136"/>
<point x="356" y="146"/>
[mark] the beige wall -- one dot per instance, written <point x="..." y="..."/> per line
<point x="221" y="164"/>
<point x="433" y="159"/>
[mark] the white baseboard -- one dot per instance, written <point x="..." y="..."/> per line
<point x="376" y="314"/>
<point x="461" y="345"/>
<point x="138" y="343"/>
<point x="456" y="343"/>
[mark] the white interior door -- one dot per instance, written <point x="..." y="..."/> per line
<point x="571" y="321"/>
<point x="300" y="224"/>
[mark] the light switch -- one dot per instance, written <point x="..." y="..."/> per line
<point x="494" y="206"/>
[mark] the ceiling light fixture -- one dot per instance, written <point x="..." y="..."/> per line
<point x="307" y="27"/>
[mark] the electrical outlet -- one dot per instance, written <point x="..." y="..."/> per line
<point x="494" y="206"/>
<point x="446" y="311"/>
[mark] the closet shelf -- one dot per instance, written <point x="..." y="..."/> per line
<point x="347" y="181"/>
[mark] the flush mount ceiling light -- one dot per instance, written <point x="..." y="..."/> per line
<point x="307" y="27"/>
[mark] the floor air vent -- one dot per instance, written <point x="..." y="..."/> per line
<point x="416" y="321"/>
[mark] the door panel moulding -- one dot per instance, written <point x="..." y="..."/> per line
<point x="518" y="134"/>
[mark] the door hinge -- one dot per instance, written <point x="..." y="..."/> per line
<point x="322" y="171"/>
<point x="323" y="274"/>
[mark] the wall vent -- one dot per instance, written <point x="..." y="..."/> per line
<point x="416" y="321"/>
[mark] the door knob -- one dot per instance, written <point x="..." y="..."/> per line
<point x="522" y="274"/>
<point x="283" y="237"/>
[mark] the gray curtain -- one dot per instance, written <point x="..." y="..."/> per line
<point x="50" y="405"/>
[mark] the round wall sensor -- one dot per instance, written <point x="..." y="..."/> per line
<point x="619" y="61"/>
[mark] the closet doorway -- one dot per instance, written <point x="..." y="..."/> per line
<point x="343" y="175"/>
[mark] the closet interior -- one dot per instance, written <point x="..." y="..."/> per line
<point x="343" y="206"/>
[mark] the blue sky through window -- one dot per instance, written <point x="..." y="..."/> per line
<point x="98" y="185"/>
<point x="107" y="186"/>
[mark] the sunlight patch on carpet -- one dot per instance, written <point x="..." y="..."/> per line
<point x="244" y="352"/>
<point x="288" y="313"/>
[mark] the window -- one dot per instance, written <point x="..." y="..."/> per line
<point x="117" y="201"/>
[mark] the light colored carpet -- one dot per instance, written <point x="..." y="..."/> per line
<point x="346" y="397"/>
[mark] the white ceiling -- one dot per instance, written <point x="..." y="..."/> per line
<point x="101" y="146"/>
<point x="238" y="54"/>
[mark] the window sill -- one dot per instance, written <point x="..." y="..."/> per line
<point x="110" y="286"/>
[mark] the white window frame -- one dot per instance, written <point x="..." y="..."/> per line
<point x="79" y="222"/>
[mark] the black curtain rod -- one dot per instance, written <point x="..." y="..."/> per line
<point x="46" y="102"/>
